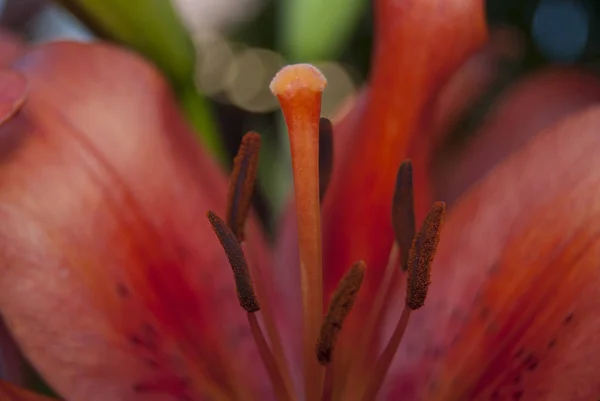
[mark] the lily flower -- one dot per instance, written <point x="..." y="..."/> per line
<point x="116" y="286"/>
<point x="113" y="292"/>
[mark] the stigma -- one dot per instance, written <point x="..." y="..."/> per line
<point x="328" y="374"/>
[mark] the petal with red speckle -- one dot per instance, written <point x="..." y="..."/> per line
<point x="111" y="279"/>
<point x="512" y="308"/>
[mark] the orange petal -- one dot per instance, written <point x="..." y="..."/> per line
<point x="10" y="392"/>
<point x="531" y="104"/>
<point x="489" y="66"/>
<point x="112" y="280"/>
<point x="512" y="309"/>
<point x="419" y="44"/>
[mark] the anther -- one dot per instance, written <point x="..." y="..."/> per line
<point x="237" y="260"/>
<point x="340" y="306"/>
<point x="403" y="214"/>
<point x="421" y="255"/>
<point x="241" y="183"/>
<point x="325" y="155"/>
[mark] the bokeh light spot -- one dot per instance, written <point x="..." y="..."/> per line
<point x="251" y="72"/>
<point x="560" y="29"/>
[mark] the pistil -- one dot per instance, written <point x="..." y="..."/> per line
<point x="298" y="89"/>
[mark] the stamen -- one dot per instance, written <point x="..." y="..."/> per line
<point x="325" y="155"/>
<point x="419" y="267"/>
<point x="237" y="260"/>
<point x="281" y="391"/>
<point x="340" y="306"/>
<point x="241" y="184"/>
<point x="363" y="359"/>
<point x="403" y="211"/>
<point x="298" y="89"/>
<point x="421" y="256"/>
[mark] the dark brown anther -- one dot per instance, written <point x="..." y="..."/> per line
<point x="237" y="260"/>
<point x="420" y="256"/>
<point x="341" y="303"/>
<point x="241" y="183"/>
<point x="403" y="211"/>
<point x="325" y="154"/>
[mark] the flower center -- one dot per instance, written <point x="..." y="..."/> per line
<point x="299" y="88"/>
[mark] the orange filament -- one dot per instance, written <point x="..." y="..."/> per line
<point x="385" y="360"/>
<point x="281" y="391"/>
<point x="272" y="331"/>
<point x="340" y="306"/>
<point x="403" y="211"/>
<point x="241" y="183"/>
<point x="237" y="260"/>
<point x="298" y="89"/>
<point x="328" y="386"/>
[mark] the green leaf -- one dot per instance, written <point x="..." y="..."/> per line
<point x="150" y="26"/>
<point x="198" y="112"/>
<point x="316" y="29"/>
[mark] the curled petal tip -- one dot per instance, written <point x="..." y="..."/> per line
<point x="13" y="93"/>
<point x="295" y="77"/>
